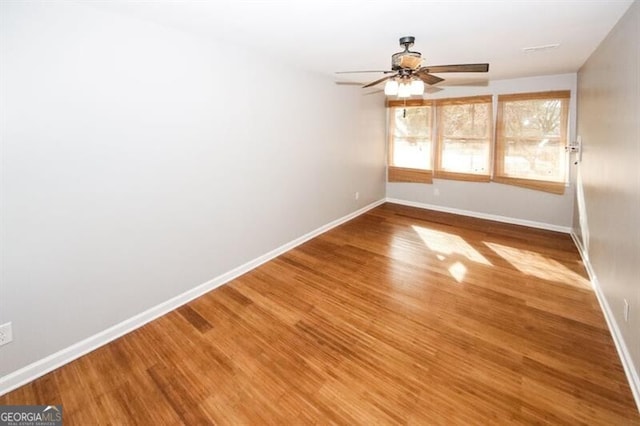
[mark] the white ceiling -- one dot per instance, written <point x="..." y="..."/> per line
<point x="330" y="35"/>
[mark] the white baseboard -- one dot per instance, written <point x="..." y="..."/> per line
<point x="618" y="340"/>
<point x="43" y="366"/>
<point x="497" y="218"/>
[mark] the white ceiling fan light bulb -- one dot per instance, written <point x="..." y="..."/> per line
<point x="404" y="90"/>
<point x="391" y="88"/>
<point x="417" y="87"/>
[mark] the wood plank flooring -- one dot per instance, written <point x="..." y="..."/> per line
<point x="400" y="316"/>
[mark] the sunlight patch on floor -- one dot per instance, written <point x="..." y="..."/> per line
<point x="539" y="266"/>
<point x="448" y="244"/>
<point x="458" y="271"/>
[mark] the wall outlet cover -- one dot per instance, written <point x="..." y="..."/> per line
<point x="6" y="333"/>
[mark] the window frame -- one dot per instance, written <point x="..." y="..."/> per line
<point x="496" y="142"/>
<point x="407" y="174"/>
<point x="555" y="187"/>
<point x="438" y="172"/>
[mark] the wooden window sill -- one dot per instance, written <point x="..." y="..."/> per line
<point x="404" y="174"/>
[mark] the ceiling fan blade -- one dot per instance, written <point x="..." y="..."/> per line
<point x="466" y="82"/>
<point x="457" y="68"/>
<point x="361" y="72"/>
<point x="433" y="89"/>
<point x="428" y="78"/>
<point x="373" y="92"/>
<point x="373" y="83"/>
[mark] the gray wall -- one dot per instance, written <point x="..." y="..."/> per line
<point x="136" y="166"/>
<point x="493" y="198"/>
<point x="608" y="204"/>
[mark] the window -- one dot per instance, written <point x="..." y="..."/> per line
<point x="410" y="141"/>
<point x="453" y="139"/>
<point x="464" y="134"/>
<point x="530" y="139"/>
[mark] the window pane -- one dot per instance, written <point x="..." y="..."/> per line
<point x="470" y="120"/>
<point x="415" y="154"/>
<point x="541" y="159"/>
<point x="411" y="137"/>
<point x="412" y="122"/>
<point x="538" y="118"/>
<point x="465" y="156"/>
<point x="532" y="138"/>
<point x="464" y="138"/>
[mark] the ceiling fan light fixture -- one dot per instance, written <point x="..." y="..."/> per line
<point x="417" y="87"/>
<point x="391" y="88"/>
<point x="404" y="90"/>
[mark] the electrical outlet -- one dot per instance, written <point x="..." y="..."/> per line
<point x="626" y="310"/>
<point x="6" y="334"/>
<point x="356" y="195"/>
<point x="436" y="191"/>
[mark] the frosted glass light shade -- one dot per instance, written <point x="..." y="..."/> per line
<point x="404" y="91"/>
<point x="391" y="88"/>
<point x="417" y="87"/>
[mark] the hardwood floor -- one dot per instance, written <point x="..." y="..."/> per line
<point x="400" y="316"/>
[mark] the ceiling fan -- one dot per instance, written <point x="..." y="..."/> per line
<point x="408" y="77"/>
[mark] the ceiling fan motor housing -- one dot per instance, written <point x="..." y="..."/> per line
<point x="407" y="41"/>
<point x="406" y="59"/>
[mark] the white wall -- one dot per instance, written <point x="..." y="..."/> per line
<point x="493" y="198"/>
<point x="137" y="164"/>
<point x="608" y="204"/>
